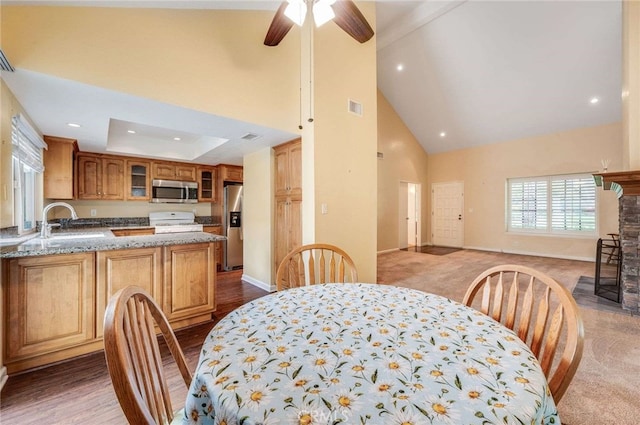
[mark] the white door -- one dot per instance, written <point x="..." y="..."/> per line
<point x="409" y="213"/>
<point x="403" y="203"/>
<point x="447" y="220"/>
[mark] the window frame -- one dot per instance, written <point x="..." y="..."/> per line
<point x="27" y="161"/>
<point x="548" y="229"/>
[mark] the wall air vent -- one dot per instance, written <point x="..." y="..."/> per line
<point x="355" y="107"/>
<point x="250" y="136"/>
<point x="380" y="155"/>
<point x="4" y="63"/>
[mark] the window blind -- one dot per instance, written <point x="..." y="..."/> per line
<point x="27" y="144"/>
<point x="573" y="204"/>
<point x="552" y="204"/>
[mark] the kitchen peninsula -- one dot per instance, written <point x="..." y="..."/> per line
<point x="56" y="290"/>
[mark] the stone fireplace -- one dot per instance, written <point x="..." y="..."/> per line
<point x="627" y="184"/>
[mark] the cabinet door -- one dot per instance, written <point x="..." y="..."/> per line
<point x="206" y="184"/>
<point x="50" y="304"/>
<point x="89" y="177"/>
<point x="58" y="167"/>
<point x="186" y="173"/>
<point x="216" y="230"/>
<point x="282" y="170"/>
<point x="138" y="178"/>
<point x="120" y="268"/>
<point x="112" y="179"/>
<point x="189" y="280"/>
<point x="294" y="173"/>
<point x="230" y="173"/>
<point x="162" y="170"/>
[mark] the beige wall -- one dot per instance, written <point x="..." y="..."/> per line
<point x="209" y="60"/>
<point x="345" y="144"/>
<point x="126" y="208"/>
<point x="485" y="170"/>
<point x="631" y="85"/>
<point x="404" y="160"/>
<point x="257" y="212"/>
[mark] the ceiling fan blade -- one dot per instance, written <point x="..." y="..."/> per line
<point x="280" y="26"/>
<point x="351" y="20"/>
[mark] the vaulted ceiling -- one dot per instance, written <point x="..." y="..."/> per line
<point x="458" y="73"/>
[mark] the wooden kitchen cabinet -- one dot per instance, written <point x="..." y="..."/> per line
<point x="206" y="184"/>
<point x="50" y="302"/>
<point x="230" y="173"/>
<point x="120" y="268"/>
<point x="173" y="171"/>
<point x="288" y="199"/>
<point x="100" y="177"/>
<point x="138" y="180"/>
<point x="58" y="167"/>
<point x="288" y="157"/>
<point x="216" y="230"/>
<point x="141" y="231"/>
<point x="189" y="282"/>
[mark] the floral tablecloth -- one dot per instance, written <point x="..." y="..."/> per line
<point x="365" y="354"/>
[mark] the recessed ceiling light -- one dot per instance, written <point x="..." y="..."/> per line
<point x="594" y="100"/>
<point x="74" y="125"/>
<point x="177" y="139"/>
<point x="400" y="67"/>
<point x="131" y="131"/>
<point x="443" y="134"/>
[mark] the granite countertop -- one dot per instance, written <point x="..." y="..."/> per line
<point x="97" y="239"/>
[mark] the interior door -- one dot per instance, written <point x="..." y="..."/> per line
<point x="447" y="218"/>
<point x="403" y="215"/>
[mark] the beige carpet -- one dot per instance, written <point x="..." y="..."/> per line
<point x="606" y="385"/>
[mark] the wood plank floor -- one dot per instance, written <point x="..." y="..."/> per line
<point x="80" y="392"/>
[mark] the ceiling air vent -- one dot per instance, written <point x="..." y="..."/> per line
<point x="250" y="136"/>
<point x="355" y="107"/>
<point x="4" y="63"/>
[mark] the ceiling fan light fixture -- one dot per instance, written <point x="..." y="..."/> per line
<point x="296" y="10"/>
<point x="322" y="12"/>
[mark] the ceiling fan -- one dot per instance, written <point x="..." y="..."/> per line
<point x="343" y="12"/>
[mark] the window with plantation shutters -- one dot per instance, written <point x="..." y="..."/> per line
<point x="553" y="204"/>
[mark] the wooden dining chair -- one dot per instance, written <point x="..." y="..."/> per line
<point x="541" y="295"/>
<point x="133" y="357"/>
<point x="315" y="263"/>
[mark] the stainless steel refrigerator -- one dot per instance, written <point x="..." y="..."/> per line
<point x="232" y="226"/>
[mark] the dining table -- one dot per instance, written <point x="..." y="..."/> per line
<point x="363" y="353"/>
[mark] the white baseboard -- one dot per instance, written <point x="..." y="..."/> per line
<point x="535" y="254"/>
<point x="258" y="283"/>
<point x="388" y="250"/>
<point x="3" y="377"/>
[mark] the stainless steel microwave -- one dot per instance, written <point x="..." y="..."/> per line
<point x="173" y="191"/>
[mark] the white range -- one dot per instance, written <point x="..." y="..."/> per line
<point x="174" y="222"/>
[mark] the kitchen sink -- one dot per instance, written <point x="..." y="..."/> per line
<point x="62" y="237"/>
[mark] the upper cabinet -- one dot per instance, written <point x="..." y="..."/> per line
<point x="206" y="184"/>
<point x="174" y="171"/>
<point x="230" y="173"/>
<point x="100" y="177"/>
<point x="288" y="163"/>
<point x="58" y="167"/>
<point x="138" y="177"/>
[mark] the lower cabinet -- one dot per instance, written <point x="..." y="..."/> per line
<point x="50" y="306"/>
<point x="55" y="304"/>
<point x="216" y="230"/>
<point x="118" y="269"/>
<point x="189" y="281"/>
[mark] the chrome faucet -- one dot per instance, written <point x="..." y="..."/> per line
<point x="45" y="231"/>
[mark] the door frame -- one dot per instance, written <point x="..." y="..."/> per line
<point x="404" y="192"/>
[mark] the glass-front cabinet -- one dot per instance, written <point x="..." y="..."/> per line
<point x="138" y="180"/>
<point x="206" y="184"/>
